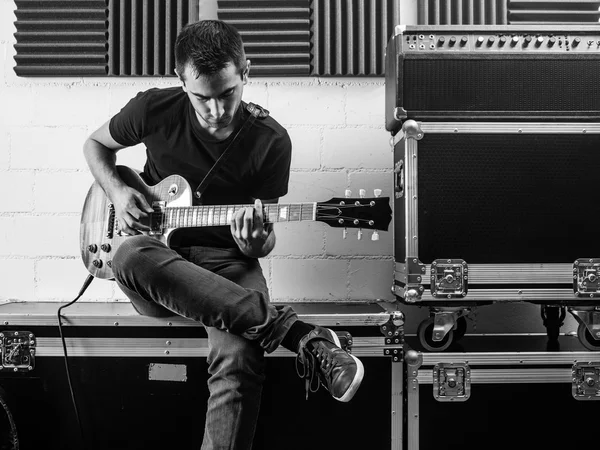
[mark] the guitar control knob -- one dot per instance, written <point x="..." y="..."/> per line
<point x="576" y="42"/>
<point x="97" y="263"/>
<point x="362" y="193"/>
<point x="491" y="41"/>
<point x="539" y="41"/>
<point x="527" y="41"/>
<point x="479" y="40"/>
<point x="552" y="41"/>
<point x="359" y="235"/>
<point x="463" y="41"/>
<point x="348" y="193"/>
<point x="514" y="41"/>
<point x="377" y="192"/>
<point x="502" y="41"/>
<point x="452" y="41"/>
<point x="441" y="41"/>
<point x="375" y="236"/>
<point x="105" y="248"/>
<point x="92" y="248"/>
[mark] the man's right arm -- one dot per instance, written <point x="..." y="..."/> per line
<point x="100" y="151"/>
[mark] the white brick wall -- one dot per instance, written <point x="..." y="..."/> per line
<point x="336" y="126"/>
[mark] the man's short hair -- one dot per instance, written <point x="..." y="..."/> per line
<point x="208" y="46"/>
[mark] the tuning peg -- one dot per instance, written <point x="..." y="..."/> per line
<point x="359" y="236"/>
<point x="375" y="236"/>
<point x="348" y="193"/>
<point x="377" y="192"/>
<point x="362" y="193"/>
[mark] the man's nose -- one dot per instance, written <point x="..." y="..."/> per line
<point x="216" y="108"/>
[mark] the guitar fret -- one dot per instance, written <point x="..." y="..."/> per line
<point x="215" y="215"/>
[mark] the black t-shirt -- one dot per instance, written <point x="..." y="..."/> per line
<point x="166" y="123"/>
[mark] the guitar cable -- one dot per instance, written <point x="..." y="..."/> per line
<point x="85" y="285"/>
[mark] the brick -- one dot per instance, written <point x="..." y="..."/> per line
<point x="312" y="279"/>
<point x="7" y="225"/>
<point x="17" y="279"/>
<point x="307" y="104"/>
<point x="315" y="186"/>
<point x="17" y="106"/>
<point x="356" y="148"/>
<point x="18" y="189"/>
<point x="365" y="104"/>
<point x="371" y="279"/>
<point x="70" y="105"/>
<point x="369" y="181"/>
<point x="58" y="192"/>
<point x="306" y="143"/>
<point x="299" y="239"/>
<point x="61" y="279"/>
<point x="336" y="245"/>
<point x="256" y="92"/>
<point x="7" y="19"/>
<point x="48" y="148"/>
<point x="118" y="96"/>
<point x="40" y="236"/>
<point x="134" y="157"/>
<point x="4" y="149"/>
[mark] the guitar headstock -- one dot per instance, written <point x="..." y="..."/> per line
<point x="372" y="213"/>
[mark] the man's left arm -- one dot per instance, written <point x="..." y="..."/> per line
<point x="254" y="237"/>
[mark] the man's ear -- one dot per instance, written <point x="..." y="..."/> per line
<point x="181" y="79"/>
<point x="246" y="72"/>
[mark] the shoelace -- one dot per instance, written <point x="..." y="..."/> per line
<point x="306" y="363"/>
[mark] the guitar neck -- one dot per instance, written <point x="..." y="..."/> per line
<point x="219" y="215"/>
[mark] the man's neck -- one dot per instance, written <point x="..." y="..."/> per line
<point x="218" y="133"/>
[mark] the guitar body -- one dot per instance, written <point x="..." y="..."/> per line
<point x="99" y="238"/>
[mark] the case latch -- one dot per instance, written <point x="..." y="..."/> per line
<point x="451" y="382"/>
<point x="586" y="277"/>
<point x="18" y="350"/>
<point x="449" y="278"/>
<point x="586" y="381"/>
<point x="414" y="280"/>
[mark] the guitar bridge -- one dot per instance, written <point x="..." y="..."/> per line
<point x="156" y="218"/>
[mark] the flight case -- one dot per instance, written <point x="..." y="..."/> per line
<point x="489" y="212"/>
<point x="140" y="382"/>
<point x="502" y="392"/>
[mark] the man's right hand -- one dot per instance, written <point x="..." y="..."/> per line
<point x="131" y="210"/>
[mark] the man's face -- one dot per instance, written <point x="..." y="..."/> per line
<point x="216" y="97"/>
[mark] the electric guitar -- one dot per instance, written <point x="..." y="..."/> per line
<point x="171" y="200"/>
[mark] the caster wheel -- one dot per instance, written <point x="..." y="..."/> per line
<point x="461" y="328"/>
<point x="553" y="319"/>
<point x="586" y="338"/>
<point x="425" y="333"/>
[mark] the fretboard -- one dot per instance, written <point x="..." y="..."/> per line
<point x="208" y="216"/>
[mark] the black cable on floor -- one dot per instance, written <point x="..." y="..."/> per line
<point x="86" y="283"/>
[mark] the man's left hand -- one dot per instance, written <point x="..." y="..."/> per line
<point x="248" y="230"/>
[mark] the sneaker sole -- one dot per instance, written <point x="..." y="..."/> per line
<point x="360" y="372"/>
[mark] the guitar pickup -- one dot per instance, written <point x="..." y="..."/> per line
<point x="156" y="218"/>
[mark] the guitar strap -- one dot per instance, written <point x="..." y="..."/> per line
<point x="256" y="112"/>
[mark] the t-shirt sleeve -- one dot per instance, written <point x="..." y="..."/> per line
<point x="274" y="174"/>
<point x="127" y="126"/>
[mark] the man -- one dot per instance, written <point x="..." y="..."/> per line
<point x="211" y="274"/>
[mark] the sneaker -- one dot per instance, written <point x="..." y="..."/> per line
<point x="338" y="371"/>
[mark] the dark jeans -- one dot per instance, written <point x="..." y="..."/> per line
<point x="227" y="293"/>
